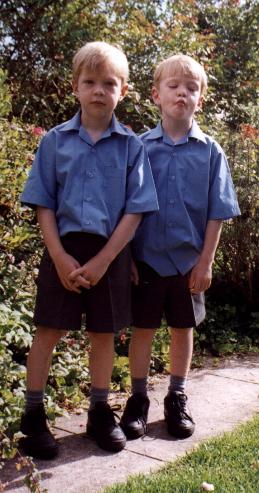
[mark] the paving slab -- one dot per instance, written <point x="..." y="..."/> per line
<point x="220" y="398"/>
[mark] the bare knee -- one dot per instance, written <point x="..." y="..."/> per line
<point x="145" y="335"/>
<point x="48" y="337"/>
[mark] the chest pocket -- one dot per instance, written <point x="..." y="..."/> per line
<point x="114" y="186"/>
<point x="195" y="181"/>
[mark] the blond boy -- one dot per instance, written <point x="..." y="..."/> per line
<point x="90" y="183"/>
<point x="174" y="248"/>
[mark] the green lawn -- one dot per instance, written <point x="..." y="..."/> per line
<point x="230" y="463"/>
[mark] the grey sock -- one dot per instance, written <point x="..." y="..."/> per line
<point x="177" y="383"/>
<point x="33" y="399"/>
<point x="97" y="395"/>
<point x="139" y="386"/>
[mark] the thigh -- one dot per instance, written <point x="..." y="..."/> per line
<point x="148" y="298"/>
<point x="183" y="309"/>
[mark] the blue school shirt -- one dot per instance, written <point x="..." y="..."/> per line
<point x="194" y="185"/>
<point x="90" y="186"/>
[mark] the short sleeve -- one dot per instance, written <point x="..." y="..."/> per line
<point x="141" y="193"/>
<point x="40" y="188"/>
<point x="222" y="201"/>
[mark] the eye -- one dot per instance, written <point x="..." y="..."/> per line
<point x="88" y="82"/>
<point x="110" y="83"/>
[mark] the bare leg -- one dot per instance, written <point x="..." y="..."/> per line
<point x="40" y="355"/>
<point x="181" y="349"/>
<point x="101" y="359"/>
<point x="140" y="352"/>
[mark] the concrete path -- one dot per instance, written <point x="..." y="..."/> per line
<point x="219" y="398"/>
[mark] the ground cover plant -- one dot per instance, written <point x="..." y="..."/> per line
<point x="229" y="463"/>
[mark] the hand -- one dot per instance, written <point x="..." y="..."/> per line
<point x="134" y="273"/>
<point x="65" y="264"/>
<point x="89" y="274"/>
<point x="200" y="278"/>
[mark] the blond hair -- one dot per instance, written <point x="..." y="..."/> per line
<point x="95" y="55"/>
<point x="181" y="64"/>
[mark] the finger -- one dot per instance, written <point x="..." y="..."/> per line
<point x="82" y="281"/>
<point x="73" y="275"/>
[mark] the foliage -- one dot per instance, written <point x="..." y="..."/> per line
<point x="228" y="462"/>
<point x="39" y="39"/>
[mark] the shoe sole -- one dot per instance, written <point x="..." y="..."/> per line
<point x="27" y="449"/>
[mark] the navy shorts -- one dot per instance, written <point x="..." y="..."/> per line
<point x="156" y="297"/>
<point x="105" y="307"/>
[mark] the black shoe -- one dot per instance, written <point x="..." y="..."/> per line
<point x="179" y="421"/>
<point x="134" y="418"/>
<point x="39" y="442"/>
<point x="103" y="428"/>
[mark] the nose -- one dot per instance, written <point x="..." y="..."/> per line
<point x="181" y="90"/>
<point x="99" y="89"/>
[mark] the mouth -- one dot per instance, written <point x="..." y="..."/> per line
<point x="98" y="103"/>
<point x="180" y="103"/>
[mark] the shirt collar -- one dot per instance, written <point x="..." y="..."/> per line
<point x="195" y="132"/>
<point x="75" y="124"/>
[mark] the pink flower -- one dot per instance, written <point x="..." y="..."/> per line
<point x="37" y="131"/>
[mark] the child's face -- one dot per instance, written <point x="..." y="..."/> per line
<point x="178" y="96"/>
<point x="99" y="92"/>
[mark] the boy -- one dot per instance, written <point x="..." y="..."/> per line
<point x="174" y="248"/>
<point x="90" y="184"/>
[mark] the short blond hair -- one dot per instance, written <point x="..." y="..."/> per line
<point x="97" y="54"/>
<point x="182" y="64"/>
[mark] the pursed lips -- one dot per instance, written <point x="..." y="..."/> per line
<point x="98" y="102"/>
<point x="180" y="102"/>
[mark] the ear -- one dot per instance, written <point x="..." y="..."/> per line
<point x="200" y="103"/>
<point x="155" y="95"/>
<point x="75" y="88"/>
<point x="124" y="90"/>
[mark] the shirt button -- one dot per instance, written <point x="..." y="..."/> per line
<point x="88" y="199"/>
<point x="172" y="177"/>
<point x="88" y="222"/>
<point x="171" y="201"/>
<point x="90" y="175"/>
<point x="170" y="224"/>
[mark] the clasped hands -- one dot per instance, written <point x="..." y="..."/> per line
<point x="73" y="276"/>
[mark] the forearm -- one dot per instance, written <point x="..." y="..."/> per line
<point x="121" y="236"/>
<point x="212" y="236"/>
<point x="201" y="274"/>
<point x="49" y="229"/>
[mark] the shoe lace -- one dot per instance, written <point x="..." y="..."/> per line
<point x="179" y="403"/>
<point x="135" y="408"/>
<point x="107" y="414"/>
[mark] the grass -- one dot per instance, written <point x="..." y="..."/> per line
<point x="230" y="463"/>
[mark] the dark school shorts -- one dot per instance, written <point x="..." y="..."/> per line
<point x="107" y="306"/>
<point x="156" y="296"/>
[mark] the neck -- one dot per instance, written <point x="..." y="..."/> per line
<point x="95" y="126"/>
<point x="176" y="129"/>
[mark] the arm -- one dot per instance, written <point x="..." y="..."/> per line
<point x="96" y="267"/>
<point x="64" y="262"/>
<point x="201" y="274"/>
